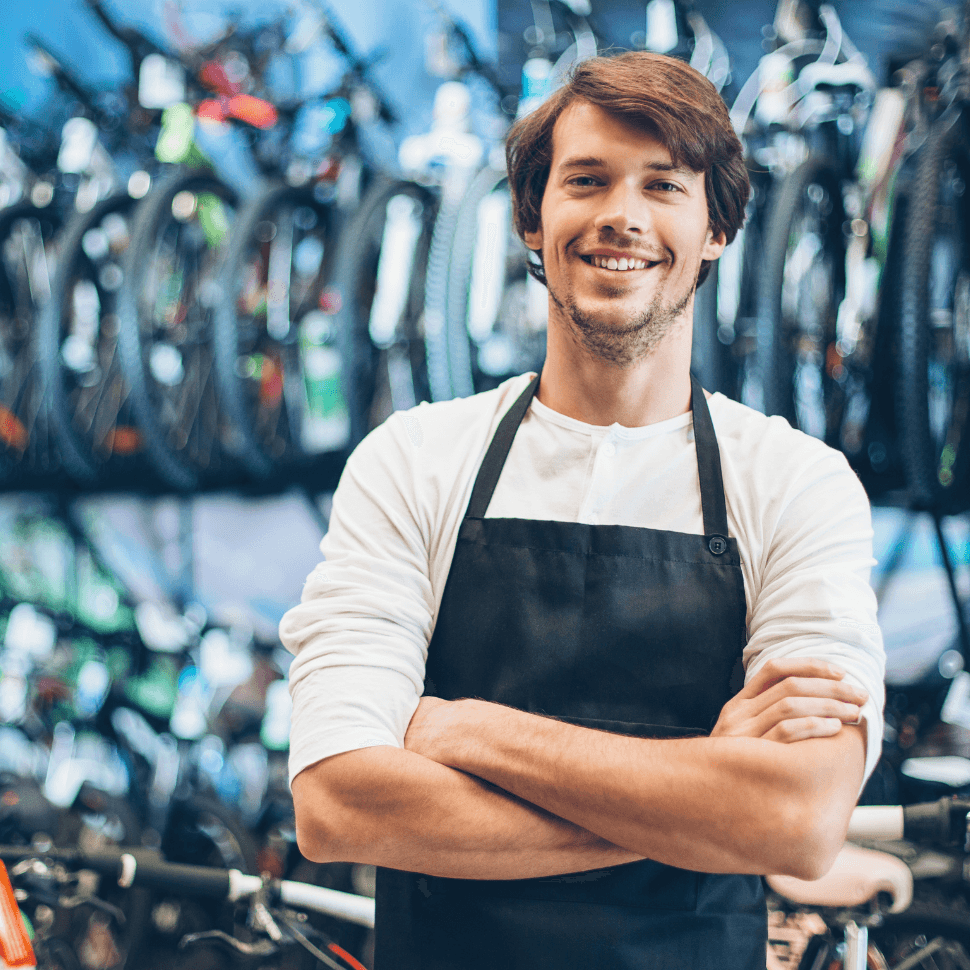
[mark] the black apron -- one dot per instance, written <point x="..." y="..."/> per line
<point x="636" y="631"/>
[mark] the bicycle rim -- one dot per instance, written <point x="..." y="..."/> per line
<point x="272" y="333"/>
<point x="801" y="291"/>
<point x="78" y="343"/>
<point x="27" y="258"/>
<point x="166" y="305"/>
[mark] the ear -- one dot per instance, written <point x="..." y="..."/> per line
<point x="533" y="240"/>
<point x="714" y="245"/>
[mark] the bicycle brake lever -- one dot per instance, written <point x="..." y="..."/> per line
<point x="264" y="948"/>
<point x="72" y="902"/>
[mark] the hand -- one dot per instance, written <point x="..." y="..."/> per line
<point x="432" y="724"/>
<point x="792" y="700"/>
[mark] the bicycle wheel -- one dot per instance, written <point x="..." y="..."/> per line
<point x="27" y="259"/>
<point x="203" y="831"/>
<point x="278" y="371"/>
<point x="437" y="344"/>
<point x="378" y="296"/>
<point x="496" y="313"/>
<point x="802" y="285"/>
<point x="933" y="384"/>
<point x="77" y="348"/>
<point x="738" y="271"/>
<point x="99" y="821"/>
<point x="165" y="304"/>
<point x="927" y="936"/>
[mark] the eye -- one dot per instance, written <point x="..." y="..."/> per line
<point x="583" y="181"/>
<point x="666" y="186"/>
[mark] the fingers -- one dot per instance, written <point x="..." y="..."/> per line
<point x="791" y="687"/>
<point x="803" y="728"/>
<point x="777" y="670"/>
<point x="801" y="708"/>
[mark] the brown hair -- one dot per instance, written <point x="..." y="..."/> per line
<point x="660" y="94"/>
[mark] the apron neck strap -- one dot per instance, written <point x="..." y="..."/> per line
<point x="705" y="442"/>
<point x="708" y="463"/>
<point x="498" y="451"/>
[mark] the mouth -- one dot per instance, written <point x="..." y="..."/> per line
<point x="621" y="265"/>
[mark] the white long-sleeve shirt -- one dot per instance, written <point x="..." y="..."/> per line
<point x="360" y="635"/>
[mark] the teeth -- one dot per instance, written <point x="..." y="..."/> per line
<point x="610" y="262"/>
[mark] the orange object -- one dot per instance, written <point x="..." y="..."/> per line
<point x="211" y="109"/>
<point x="15" y="948"/>
<point x="213" y="76"/>
<point x="12" y="431"/>
<point x="125" y="440"/>
<point x="254" y="111"/>
<point x="270" y="383"/>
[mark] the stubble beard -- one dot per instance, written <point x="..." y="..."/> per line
<point x="625" y="344"/>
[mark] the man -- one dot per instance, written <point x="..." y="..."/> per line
<point x="568" y="571"/>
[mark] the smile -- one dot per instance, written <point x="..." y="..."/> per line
<point x="620" y="265"/>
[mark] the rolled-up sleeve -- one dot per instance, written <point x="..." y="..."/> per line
<point x="813" y="597"/>
<point x="361" y="630"/>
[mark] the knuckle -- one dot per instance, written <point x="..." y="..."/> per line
<point x="788" y="706"/>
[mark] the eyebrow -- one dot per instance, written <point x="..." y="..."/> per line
<point x="592" y="161"/>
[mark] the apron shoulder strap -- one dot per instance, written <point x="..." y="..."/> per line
<point x="705" y="442"/>
<point x="498" y="451"/>
<point x="708" y="464"/>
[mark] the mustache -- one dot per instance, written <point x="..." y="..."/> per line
<point x="627" y="247"/>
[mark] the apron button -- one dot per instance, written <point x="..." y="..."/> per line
<point x="717" y="545"/>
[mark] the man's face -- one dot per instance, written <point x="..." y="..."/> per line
<point x="614" y="195"/>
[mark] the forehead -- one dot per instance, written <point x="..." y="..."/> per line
<point x="586" y="129"/>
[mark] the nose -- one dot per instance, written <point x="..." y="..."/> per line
<point x="624" y="209"/>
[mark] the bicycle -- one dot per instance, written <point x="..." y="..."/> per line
<point x="279" y="356"/>
<point x="274" y="909"/>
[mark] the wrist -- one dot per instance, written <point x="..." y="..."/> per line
<point x="464" y="739"/>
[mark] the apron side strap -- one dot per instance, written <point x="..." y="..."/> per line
<point x="498" y="451"/>
<point x="708" y="464"/>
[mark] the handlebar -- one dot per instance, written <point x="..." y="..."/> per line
<point x="358" y="65"/>
<point x="145" y="868"/>
<point x="476" y="63"/>
<point x="943" y="822"/>
<point x="137" y="43"/>
<point x="65" y="78"/>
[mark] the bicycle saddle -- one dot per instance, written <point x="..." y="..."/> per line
<point x="856" y="878"/>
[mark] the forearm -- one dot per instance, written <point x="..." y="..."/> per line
<point x="708" y="804"/>
<point x="394" y="808"/>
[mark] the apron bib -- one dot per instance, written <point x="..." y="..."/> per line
<point x="636" y="631"/>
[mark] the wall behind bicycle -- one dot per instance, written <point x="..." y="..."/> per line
<point x="397" y="27"/>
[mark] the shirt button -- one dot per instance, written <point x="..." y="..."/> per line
<point x="609" y="449"/>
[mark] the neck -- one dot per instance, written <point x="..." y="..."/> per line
<point x="580" y="385"/>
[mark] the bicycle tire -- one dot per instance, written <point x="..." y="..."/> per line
<point x="515" y="345"/>
<point x="28" y="455"/>
<point x="94" y="432"/>
<point x="898" y="932"/>
<point x="203" y="831"/>
<point x="935" y="447"/>
<point x="464" y="237"/>
<point x="352" y="291"/>
<point x="797" y="336"/>
<point x="437" y="346"/>
<point x="744" y="378"/>
<point x="254" y="368"/>
<point x="94" y="821"/>
<point x="186" y="450"/>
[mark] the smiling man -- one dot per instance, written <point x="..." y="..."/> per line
<point x="517" y="686"/>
